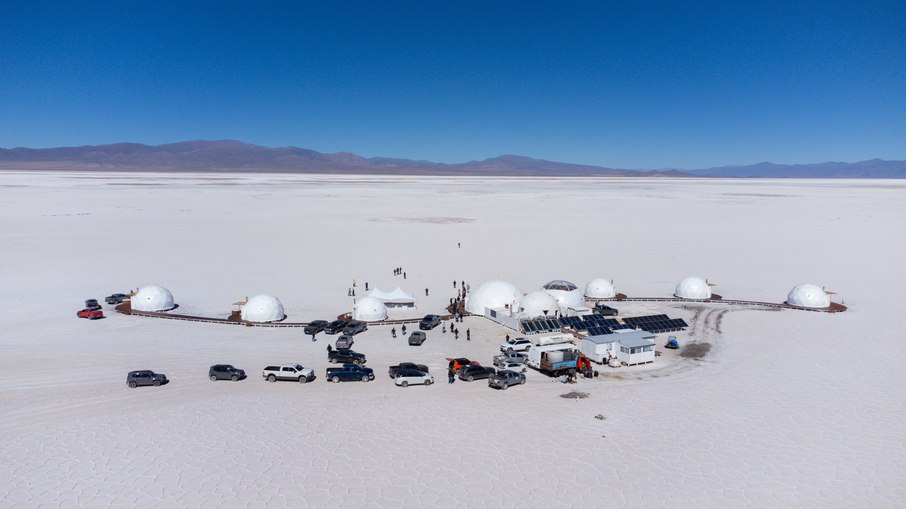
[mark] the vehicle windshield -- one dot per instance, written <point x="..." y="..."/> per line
<point x="298" y="367"/>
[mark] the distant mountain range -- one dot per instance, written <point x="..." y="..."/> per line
<point x="236" y="156"/>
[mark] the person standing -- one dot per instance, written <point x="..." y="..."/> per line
<point x="451" y="375"/>
<point x="468" y="335"/>
<point x="329" y="349"/>
<point x="454" y="283"/>
<point x="404" y="275"/>
<point x="426" y="292"/>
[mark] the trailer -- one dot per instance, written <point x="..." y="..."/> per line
<point x="552" y="339"/>
<point x="554" y="359"/>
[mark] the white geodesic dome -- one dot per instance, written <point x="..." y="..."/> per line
<point x="600" y="288"/>
<point x="535" y="304"/>
<point x="369" y="309"/>
<point x="153" y="298"/>
<point x="808" y="295"/>
<point x="262" y="309"/>
<point x="494" y="295"/>
<point x="567" y="294"/>
<point x="693" y="288"/>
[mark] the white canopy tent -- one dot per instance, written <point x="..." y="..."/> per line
<point x="397" y="297"/>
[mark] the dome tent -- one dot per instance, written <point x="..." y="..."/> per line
<point x="808" y="295"/>
<point x="369" y="309"/>
<point x="535" y="304"/>
<point x="600" y="288"/>
<point x="693" y="288"/>
<point x="153" y="298"/>
<point x="566" y="293"/>
<point x="263" y="309"/>
<point x="493" y="295"/>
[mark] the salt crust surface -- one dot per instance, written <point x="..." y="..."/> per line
<point x="787" y="409"/>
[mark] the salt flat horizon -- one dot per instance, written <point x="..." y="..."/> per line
<point x="788" y="408"/>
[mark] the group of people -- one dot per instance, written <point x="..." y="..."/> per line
<point x="399" y="272"/>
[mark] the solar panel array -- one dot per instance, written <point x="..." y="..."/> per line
<point x="656" y="323"/>
<point x="540" y="325"/>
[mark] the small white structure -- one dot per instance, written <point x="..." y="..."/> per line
<point x="262" y="309"/>
<point x="539" y="303"/>
<point x="600" y="289"/>
<point x="395" y="298"/>
<point x="496" y="295"/>
<point x="808" y="295"/>
<point x="693" y="288"/>
<point x="153" y="298"/>
<point x="369" y="309"/>
<point x="629" y="347"/>
<point x="567" y="294"/>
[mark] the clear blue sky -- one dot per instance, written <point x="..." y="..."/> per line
<point x="627" y="85"/>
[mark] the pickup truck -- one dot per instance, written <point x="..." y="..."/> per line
<point x="354" y="327"/>
<point x="344" y="341"/>
<point x="90" y="313"/>
<point x="506" y="357"/>
<point x="292" y="372"/>
<point x="335" y="326"/>
<point x="407" y="365"/>
<point x="314" y="327"/>
<point x="350" y="372"/>
<point x="345" y="355"/>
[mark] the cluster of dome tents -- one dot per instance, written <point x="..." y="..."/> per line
<point x="552" y="298"/>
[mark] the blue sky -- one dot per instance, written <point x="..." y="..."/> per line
<point x="626" y="85"/>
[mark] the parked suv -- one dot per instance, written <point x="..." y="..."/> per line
<point x="225" y="372"/>
<point x="92" y="304"/>
<point x="505" y="378"/>
<point x="354" y="327"/>
<point x="345" y="356"/>
<point x="116" y="298"/>
<point x="145" y="377"/>
<point x="417" y="338"/>
<point x="335" y="326"/>
<point x="345" y="341"/>
<point x="314" y="327"/>
<point x="474" y="372"/>
<point x="429" y="322"/>
<point x="515" y="345"/>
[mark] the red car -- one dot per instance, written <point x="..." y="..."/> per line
<point x="459" y="363"/>
<point x="91" y="314"/>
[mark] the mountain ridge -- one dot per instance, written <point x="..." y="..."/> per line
<point x="237" y="156"/>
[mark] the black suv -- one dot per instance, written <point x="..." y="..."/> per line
<point x="429" y="322"/>
<point x="315" y="327"/>
<point x="335" y="326"/>
<point x="354" y="327"/>
<point x="145" y="377"/>
<point x="474" y="372"/>
<point x="116" y="298"/>
<point x="225" y="372"/>
<point x="92" y="304"/>
<point x="346" y="356"/>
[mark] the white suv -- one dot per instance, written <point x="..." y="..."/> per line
<point x="515" y="345"/>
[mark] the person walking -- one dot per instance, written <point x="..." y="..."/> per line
<point x="443" y="328"/>
<point x="454" y="283"/>
<point x="404" y="275"/>
<point x="456" y="334"/>
<point x="404" y="329"/>
<point x="329" y="348"/>
<point x="313" y="336"/>
<point x="468" y="335"/>
<point x="393" y="332"/>
<point x="366" y="286"/>
<point x="451" y="375"/>
<point x="426" y="292"/>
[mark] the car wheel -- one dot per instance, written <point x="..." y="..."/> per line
<point x="509" y="349"/>
<point x="404" y="384"/>
<point x="470" y="378"/>
<point x="157" y="383"/>
<point x="133" y="385"/>
<point x="335" y="379"/>
<point x="303" y="380"/>
<point x="429" y="382"/>
<point x="213" y="378"/>
<point x="365" y="378"/>
<point x="503" y="387"/>
<point x="235" y="378"/>
<point x="271" y="378"/>
<point x="523" y="381"/>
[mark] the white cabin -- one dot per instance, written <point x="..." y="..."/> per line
<point x="629" y="347"/>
